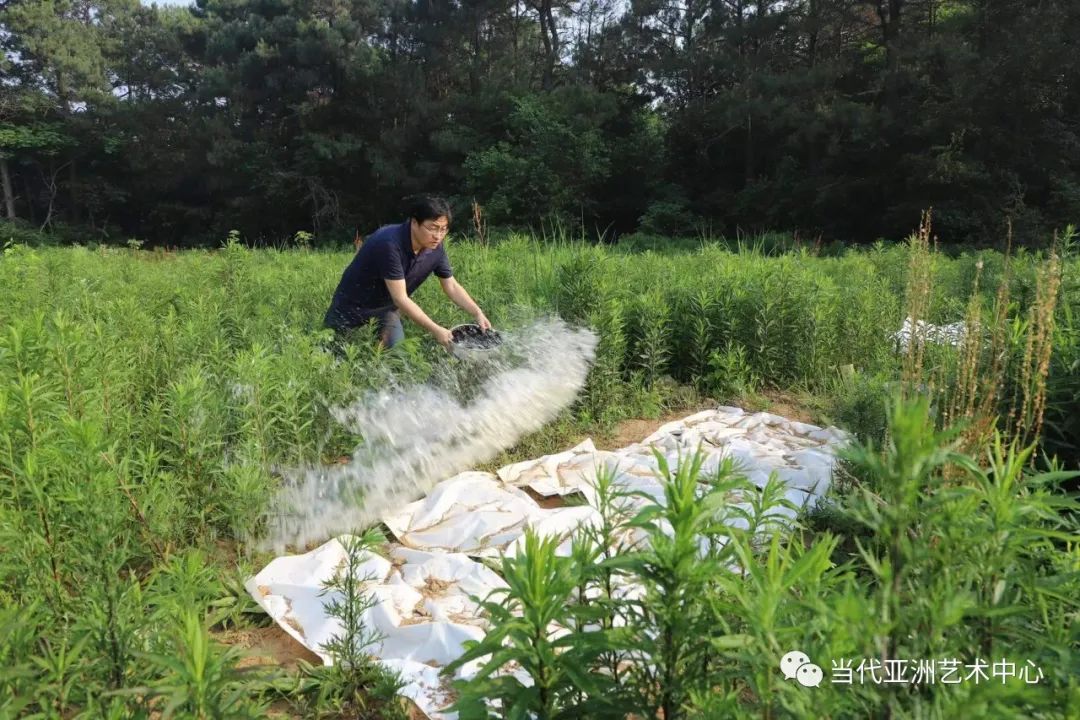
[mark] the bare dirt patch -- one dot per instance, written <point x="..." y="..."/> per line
<point x="435" y="588"/>
<point x="635" y="430"/>
<point x="268" y="646"/>
<point x="548" y="502"/>
<point x="778" y="402"/>
<point x="789" y="405"/>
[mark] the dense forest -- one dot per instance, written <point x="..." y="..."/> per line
<point x="835" y="119"/>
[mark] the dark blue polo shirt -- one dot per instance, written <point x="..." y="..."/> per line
<point x="386" y="254"/>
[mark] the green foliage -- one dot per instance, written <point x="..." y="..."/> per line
<point x="1062" y="423"/>
<point x="553" y="163"/>
<point x="147" y="412"/>
<point x="652" y="347"/>
<point x="198" y="680"/>
<point x="176" y="124"/>
<point x="668" y="218"/>
<point x="355" y="685"/>
<point x="669" y="629"/>
<point x="860" y="404"/>
<point x="19" y="628"/>
<point x="578" y="294"/>
<point x="936" y="555"/>
<point x="604" y="393"/>
<point x="540" y="584"/>
<point x="14" y="233"/>
<point x="142" y="421"/>
<point x="45" y="138"/>
<point x="730" y="373"/>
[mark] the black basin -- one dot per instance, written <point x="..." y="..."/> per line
<point x="473" y="338"/>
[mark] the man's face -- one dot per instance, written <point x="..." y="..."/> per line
<point x="430" y="233"/>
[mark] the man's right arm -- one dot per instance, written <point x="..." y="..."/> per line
<point x="414" y="312"/>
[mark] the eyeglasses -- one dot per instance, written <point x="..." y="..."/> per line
<point x="436" y="229"/>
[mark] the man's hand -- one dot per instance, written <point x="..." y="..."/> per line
<point x="443" y="336"/>
<point x="457" y="294"/>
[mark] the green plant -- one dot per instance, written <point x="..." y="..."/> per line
<point x="859" y="403"/>
<point x="355" y="684"/>
<point x="602" y="583"/>
<point x="670" y="626"/>
<point x="764" y="609"/>
<point x="303" y="238"/>
<point x="530" y="622"/>
<point x="651" y="349"/>
<point x="959" y="559"/>
<point x="904" y="474"/>
<point x="19" y="629"/>
<point x="145" y="422"/>
<point x="604" y="394"/>
<point x="701" y="332"/>
<point x="731" y="373"/>
<point x="60" y="672"/>
<point x="197" y="679"/>
<point x="578" y="289"/>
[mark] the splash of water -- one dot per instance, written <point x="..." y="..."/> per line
<point x="414" y="437"/>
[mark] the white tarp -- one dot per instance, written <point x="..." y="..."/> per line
<point x="424" y="611"/>
<point x="949" y="334"/>
<point x="422" y="587"/>
<point x="469" y="513"/>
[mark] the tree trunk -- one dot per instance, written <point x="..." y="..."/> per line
<point x="554" y="30"/>
<point x="890" y="33"/>
<point x="50" y="183"/>
<point x="73" y="211"/>
<point x="739" y="23"/>
<point x="748" y="151"/>
<point x="689" y="51"/>
<point x="892" y="38"/>
<point x="474" y="66"/>
<point x="514" y="35"/>
<point x="9" y="194"/>
<point x="549" y="33"/>
<point x="31" y="213"/>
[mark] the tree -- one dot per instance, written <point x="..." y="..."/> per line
<point x="64" y="49"/>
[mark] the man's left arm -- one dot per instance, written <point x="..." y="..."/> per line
<point x="461" y="298"/>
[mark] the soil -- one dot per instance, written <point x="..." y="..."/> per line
<point x="272" y="646"/>
<point x="268" y="646"/>
<point x="635" y="430"/>
<point x="789" y="405"/>
<point x="777" y="402"/>
<point x="435" y="588"/>
<point x="414" y="712"/>
<point x="550" y="502"/>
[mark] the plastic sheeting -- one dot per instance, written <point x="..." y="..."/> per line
<point x="949" y="334"/>
<point x="423" y="609"/>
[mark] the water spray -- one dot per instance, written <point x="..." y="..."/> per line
<point x="474" y="408"/>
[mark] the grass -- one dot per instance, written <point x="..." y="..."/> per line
<point x="929" y="559"/>
<point x="148" y="398"/>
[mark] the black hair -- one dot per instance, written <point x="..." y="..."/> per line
<point x="427" y="207"/>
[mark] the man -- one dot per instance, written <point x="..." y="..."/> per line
<point x="392" y="262"/>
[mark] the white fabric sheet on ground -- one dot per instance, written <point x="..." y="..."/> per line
<point x="423" y="612"/>
<point x="423" y="587"/>
<point x="469" y="513"/>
